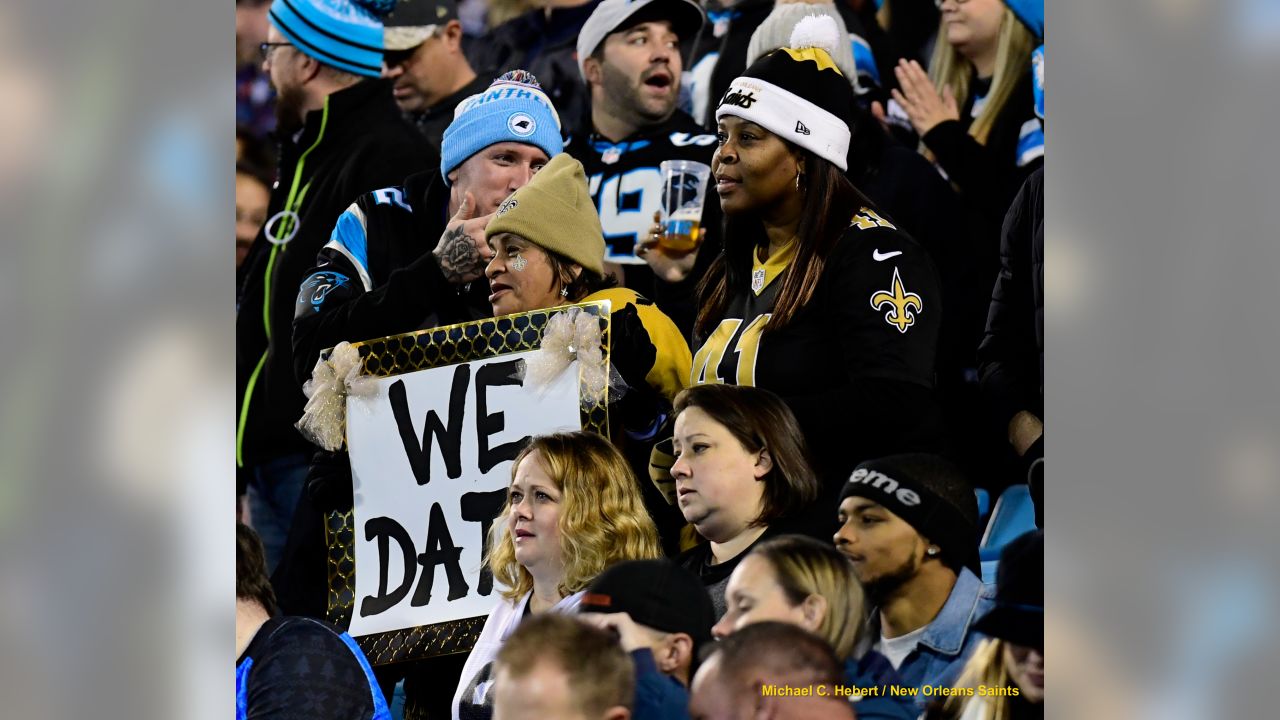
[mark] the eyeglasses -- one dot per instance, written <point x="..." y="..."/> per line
<point x="394" y="58"/>
<point x="265" y="49"/>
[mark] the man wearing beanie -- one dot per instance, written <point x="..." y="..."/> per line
<point x="340" y="135"/>
<point x="400" y="259"/>
<point x="663" y="617"/>
<point x="425" y="62"/>
<point x="909" y="524"/>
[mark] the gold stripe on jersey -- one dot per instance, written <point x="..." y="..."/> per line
<point x="764" y="272"/>
<point x="866" y="218"/>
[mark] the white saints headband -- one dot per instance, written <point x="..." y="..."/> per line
<point x="788" y="116"/>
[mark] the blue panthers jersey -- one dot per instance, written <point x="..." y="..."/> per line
<point x="625" y="182"/>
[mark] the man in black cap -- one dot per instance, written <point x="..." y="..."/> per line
<point x="909" y="524"/>
<point x="1018" y="615"/>
<point x="424" y="59"/>
<point x="663" y="616"/>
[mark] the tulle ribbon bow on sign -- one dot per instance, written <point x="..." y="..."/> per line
<point x="572" y="335"/>
<point x="324" y="420"/>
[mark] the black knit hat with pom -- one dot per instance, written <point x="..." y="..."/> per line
<point x="798" y="93"/>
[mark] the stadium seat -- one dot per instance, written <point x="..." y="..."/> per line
<point x="1012" y="516"/>
<point x="984" y="505"/>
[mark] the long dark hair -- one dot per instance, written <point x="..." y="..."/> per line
<point x="830" y="202"/>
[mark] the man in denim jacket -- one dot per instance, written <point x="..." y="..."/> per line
<point x="909" y="523"/>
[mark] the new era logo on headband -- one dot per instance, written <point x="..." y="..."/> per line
<point x="800" y="128"/>
<point x="886" y="484"/>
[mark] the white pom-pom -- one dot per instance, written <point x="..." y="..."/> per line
<point x="815" y="31"/>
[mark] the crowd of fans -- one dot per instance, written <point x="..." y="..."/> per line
<point x="784" y="517"/>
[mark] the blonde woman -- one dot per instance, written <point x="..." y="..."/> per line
<point x="798" y="580"/>
<point x="975" y="109"/>
<point x="573" y="509"/>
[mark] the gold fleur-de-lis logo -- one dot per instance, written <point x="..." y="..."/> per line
<point x="903" y="305"/>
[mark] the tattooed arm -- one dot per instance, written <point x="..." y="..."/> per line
<point x="462" y="251"/>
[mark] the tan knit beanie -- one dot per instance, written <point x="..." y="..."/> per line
<point x="555" y="212"/>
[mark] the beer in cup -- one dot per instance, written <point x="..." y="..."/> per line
<point x="684" y="189"/>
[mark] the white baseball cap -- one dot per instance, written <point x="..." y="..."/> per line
<point x="685" y="17"/>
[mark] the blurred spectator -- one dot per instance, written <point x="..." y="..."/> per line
<point x="740" y="469"/>
<point x="805" y="253"/>
<point x="910" y="25"/>
<point x="1011" y="661"/>
<point x="501" y="11"/>
<point x="1011" y="356"/>
<point x="629" y="55"/>
<point x="798" y="580"/>
<point x="543" y="41"/>
<point x="341" y="135"/>
<point x="547" y="251"/>
<point x="253" y="191"/>
<point x="663" y="618"/>
<point x="292" y="667"/>
<point x="742" y="677"/>
<point x="424" y="59"/>
<point x="256" y="151"/>
<point x="719" y="52"/>
<point x="255" y="99"/>
<point x="573" y="509"/>
<point x="558" y="667"/>
<point x="909" y="524"/>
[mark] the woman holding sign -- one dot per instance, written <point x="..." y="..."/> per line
<point x="573" y="509"/>
<point x="548" y="250"/>
<point x="816" y="296"/>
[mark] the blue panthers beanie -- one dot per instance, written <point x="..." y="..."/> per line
<point x="513" y="109"/>
<point x="345" y="34"/>
<point x="1031" y="13"/>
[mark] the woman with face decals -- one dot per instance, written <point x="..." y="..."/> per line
<point x="741" y="470"/>
<point x="798" y="580"/>
<point x="817" y="295"/>
<point x="573" y="509"/>
<point x="548" y="250"/>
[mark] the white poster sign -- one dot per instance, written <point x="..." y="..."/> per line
<point x="431" y="456"/>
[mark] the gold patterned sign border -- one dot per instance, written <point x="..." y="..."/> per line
<point x="421" y="350"/>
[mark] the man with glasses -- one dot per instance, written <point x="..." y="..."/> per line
<point x="425" y="62"/>
<point x="340" y="136"/>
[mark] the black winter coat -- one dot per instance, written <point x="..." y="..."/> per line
<point x="357" y="143"/>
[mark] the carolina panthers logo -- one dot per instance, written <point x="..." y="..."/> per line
<point x="521" y="124"/>
<point x="318" y="286"/>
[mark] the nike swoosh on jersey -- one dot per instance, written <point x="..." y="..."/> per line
<point x="879" y="256"/>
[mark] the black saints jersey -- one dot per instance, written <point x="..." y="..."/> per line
<point x="624" y="178"/>
<point x="856" y="364"/>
